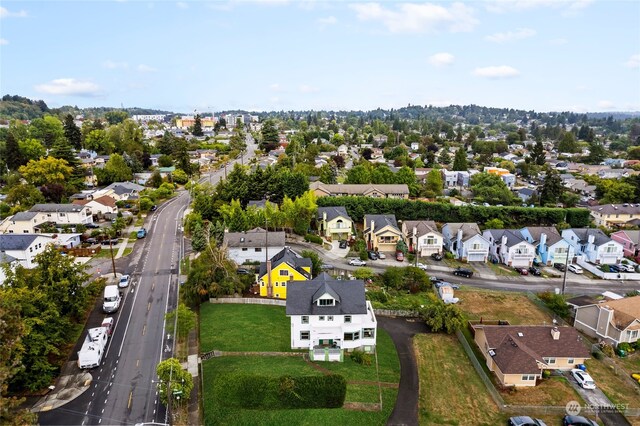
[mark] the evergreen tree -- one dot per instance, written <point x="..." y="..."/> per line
<point x="197" y="127"/>
<point x="445" y="158"/>
<point x="460" y="160"/>
<point x="13" y="157"/>
<point x="269" y="136"/>
<point x="72" y="132"/>
<point x="63" y="150"/>
<point x="538" y="154"/>
<point x="552" y="188"/>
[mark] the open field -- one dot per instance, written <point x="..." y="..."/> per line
<point x="498" y="305"/>
<point x="244" y="328"/>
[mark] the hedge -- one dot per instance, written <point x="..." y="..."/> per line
<point x="313" y="239"/>
<point x="513" y="217"/>
<point x="251" y="391"/>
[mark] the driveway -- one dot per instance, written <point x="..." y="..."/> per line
<point x="597" y="398"/>
<point x="402" y="331"/>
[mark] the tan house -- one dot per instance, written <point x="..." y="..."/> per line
<point x="360" y="190"/>
<point x="422" y="237"/>
<point x="334" y="223"/>
<point x="99" y="206"/>
<point x="518" y="354"/>
<point x="610" y="215"/>
<point x="381" y="232"/>
<point x="614" y="321"/>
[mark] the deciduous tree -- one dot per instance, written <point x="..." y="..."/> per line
<point x="46" y="170"/>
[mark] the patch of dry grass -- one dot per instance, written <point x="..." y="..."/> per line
<point x="555" y="391"/>
<point x="499" y="305"/>
<point x="614" y="383"/>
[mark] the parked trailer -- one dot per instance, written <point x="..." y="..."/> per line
<point x="92" y="351"/>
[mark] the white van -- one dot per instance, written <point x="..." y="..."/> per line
<point x="112" y="298"/>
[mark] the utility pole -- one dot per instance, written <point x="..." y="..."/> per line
<point x="566" y="268"/>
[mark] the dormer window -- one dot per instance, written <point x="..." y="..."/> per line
<point x="326" y="302"/>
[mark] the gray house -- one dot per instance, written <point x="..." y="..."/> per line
<point x="253" y="246"/>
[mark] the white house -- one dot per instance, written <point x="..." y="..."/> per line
<point x="253" y="245"/>
<point x="6" y="259"/>
<point x="99" y="206"/>
<point x="509" y="247"/>
<point x="594" y="245"/>
<point x="330" y="316"/>
<point x="57" y="214"/>
<point x="465" y="242"/>
<point x="422" y="237"/>
<point x="23" y="248"/>
<point x="121" y="191"/>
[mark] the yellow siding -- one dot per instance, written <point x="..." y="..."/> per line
<point x="279" y="281"/>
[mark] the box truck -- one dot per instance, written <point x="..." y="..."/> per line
<point x="92" y="351"/>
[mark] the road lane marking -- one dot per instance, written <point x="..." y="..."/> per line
<point x="148" y="306"/>
<point x="144" y="329"/>
<point x="99" y="421"/>
<point x="153" y="285"/>
<point x="130" y="398"/>
<point x="105" y="401"/>
<point x="108" y="392"/>
<point x="92" y="394"/>
<point x="137" y="363"/>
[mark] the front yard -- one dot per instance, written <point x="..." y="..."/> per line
<point x="499" y="305"/>
<point x="258" y="328"/>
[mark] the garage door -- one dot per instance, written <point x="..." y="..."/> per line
<point x="476" y="258"/>
<point x="523" y="263"/>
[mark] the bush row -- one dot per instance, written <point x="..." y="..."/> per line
<point x="313" y="239"/>
<point x="513" y="217"/>
<point x="251" y="391"/>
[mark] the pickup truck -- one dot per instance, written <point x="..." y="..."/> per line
<point x="142" y="233"/>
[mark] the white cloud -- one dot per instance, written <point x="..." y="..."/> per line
<point x="112" y="65"/>
<point x="5" y="13"/>
<point x="501" y="71"/>
<point x="305" y="88"/>
<point x="419" y="18"/>
<point x="519" y="34"/>
<point x="182" y="5"/>
<point x="606" y="104"/>
<point x="69" y="87"/>
<point x="329" y="20"/>
<point x="3" y="41"/>
<point x="634" y="61"/>
<point x="146" y="68"/>
<point x="568" y="7"/>
<point x="441" y="59"/>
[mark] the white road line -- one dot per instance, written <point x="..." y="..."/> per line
<point x="92" y="394"/>
<point x="133" y="305"/>
<point x="99" y="421"/>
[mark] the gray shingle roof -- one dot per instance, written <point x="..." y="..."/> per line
<point x="5" y="258"/>
<point x="583" y="234"/>
<point x="469" y="230"/>
<point x="16" y="241"/>
<point x="20" y="216"/>
<point x="301" y="295"/>
<point x="422" y="227"/>
<point x="50" y="207"/>
<point x="553" y="236"/>
<point x="333" y="212"/>
<point x="513" y="236"/>
<point x="630" y="209"/>
<point x="254" y="238"/>
<point x="290" y="257"/>
<point x="380" y="221"/>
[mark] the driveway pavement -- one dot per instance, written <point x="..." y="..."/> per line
<point x="596" y="399"/>
<point x="402" y="331"/>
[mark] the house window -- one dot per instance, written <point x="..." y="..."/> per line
<point x="305" y="319"/>
<point x="30" y="249"/>
<point x="304" y="335"/>
<point x="610" y="249"/>
<point x="571" y="361"/>
<point x="528" y="377"/>
<point x="431" y="240"/>
<point x="258" y="249"/>
<point x="347" y="318"/>
<point x="284" y="283"/>
<point x="244" y="249"/>
<point x="632" y="334"/>
<point x="325" y="302"/>
<point x="522" y="250"/>
<point x="62" y="214"/>
<point x="277" y="283"/>
<point x="321" y="318"/>
<point x="352" y="336"/>
<point x="561" y="250"/>
<point x="262" y="284"/>
<point x="368" y="333"/>
<point x="476" y="246"/>
<point x="284" y="273"/>
<point x="549" y="361"/>
<point x="330" y="318"/>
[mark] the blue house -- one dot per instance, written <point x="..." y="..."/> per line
<point x="550" y="246"/>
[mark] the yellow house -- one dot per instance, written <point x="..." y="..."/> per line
<point x="285" y="266"/>
<point x="381" y="232"/>
<point x="518" y="354"/>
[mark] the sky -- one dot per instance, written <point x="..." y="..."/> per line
<point x="212" y="56"/>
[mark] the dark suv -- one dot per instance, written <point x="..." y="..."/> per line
<point x="560" y="266"/>
<point x="463" y="272"/>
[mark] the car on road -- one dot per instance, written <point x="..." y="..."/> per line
<point x="357" y="262"/>
<point x="421" y="266"/>
<point x="108" y="324"/>
<point x="577" y="421"/>
<point x="342" y="244"/>
<point x="399" y="256"/>
<point x="372" y="255"/>
<point x="583" y="378"/>
<point x="381" y="255"/>
<point x="575" y="269"/>
<point x="154" y="208"/>
<point x="521" y="271"/>
<point x="535" y="271"/>
<point x="141" y="233"/>
<point x="436" y="256"/>
<point x="326" y="266"/>
<point x="559" y="266"/>
<point x="525" y="421"/>
<point x="463" y="272"/>
<point x="124" y="281"/>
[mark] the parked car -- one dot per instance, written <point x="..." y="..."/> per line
<point x="575" y="269"/>
<point x="436" y="256"/>
<point x="326" y="266"/>
<point x="141" y="233"/>
<point x="381" y="255"/>
<point x="535" y="271"/>
<point x="357" y="262"/>
<point x="124" y="281"/>
<point x="343" y="244"/>
<point x="536" y="262"/>
<point x="421" y="266"/>
<point x="463" y="272"/>
<point x="435" y="280"/>
<point x="521" y="271"/>
<point x="525" y="421"/>
<point x="583" y="378"/>
<point x="243" y="271"/>
<point x="91" y="241"/>
<point x="113" y="241"/>
<point x="372" y="255"/>
<point x="92" y="225"/>
<point x="577" y="421"/>
<point x="614" y="268"/>
<point x="399" y="256"/>
<point x="108" y="324"/>
<point x="626" y="267"/>
<point x="154" y="208"/>
<point x="559" y="266"/>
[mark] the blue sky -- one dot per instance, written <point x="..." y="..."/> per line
<point x="543" y="55"/>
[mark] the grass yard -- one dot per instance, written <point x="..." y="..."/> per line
<point x="553" y="391"/>
<point x="613" y="384"/>
<point x="502" y="270"/>
<point x="499" y="305"/>
<point x="244" y="328"/>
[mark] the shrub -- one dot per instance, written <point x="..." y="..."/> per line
<point x="607" y="349"/>
<point x="555" y="302"/>
<point x="377" y="296"/>
<point x="360" y="357"/>
<point x="313" y="239"/>
<point x="626" y="347"/>
<point x="546" y="374"/>
<point x="598" y="355"/>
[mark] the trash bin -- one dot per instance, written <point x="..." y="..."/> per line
<point x="621" y="353"/>
<point x="582" y="367"/>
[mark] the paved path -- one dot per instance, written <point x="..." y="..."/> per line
<point x="597" y="398"/>
<point x="402" y="332"/>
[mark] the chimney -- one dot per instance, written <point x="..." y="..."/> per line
<point x="415" y="239"/>
<point x="503" y="241"/>
<point x="324" y="216"/>
<point x="591" y="238"/>
<point x="373" y="225"/>
<point x="459" y="238"/>
<point x="543" y="240"/>
<point x="555" y="333"/>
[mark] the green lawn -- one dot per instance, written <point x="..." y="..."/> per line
<point x="244" y="328"/>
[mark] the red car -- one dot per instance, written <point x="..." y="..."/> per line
<point x="522" y="271"/>
<point x="399" y="256"/>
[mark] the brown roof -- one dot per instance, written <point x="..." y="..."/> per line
<point x="626" y="310"/>
<point x="105" y="200"/>
<point x="518" y="347"/>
